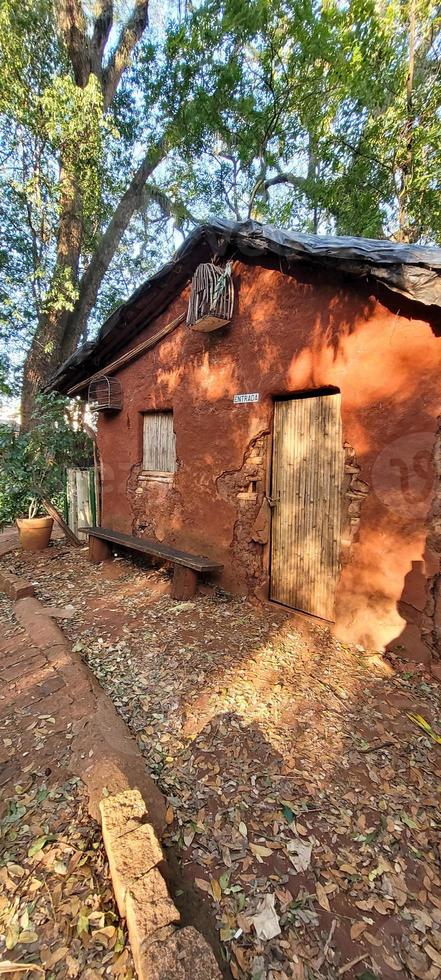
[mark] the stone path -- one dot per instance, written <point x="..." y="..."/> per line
<point x="40" y="675"/>
<point x="56" y="723"/>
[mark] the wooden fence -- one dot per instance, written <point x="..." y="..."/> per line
<point x="82" y="500"/>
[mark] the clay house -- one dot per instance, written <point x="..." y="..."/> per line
<point x="268" y="409"/>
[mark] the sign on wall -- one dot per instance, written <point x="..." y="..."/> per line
<point x="242" y="399"/>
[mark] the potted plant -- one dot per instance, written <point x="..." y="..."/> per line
<point x="34" y="531"/>
<point x="33" y="469"/>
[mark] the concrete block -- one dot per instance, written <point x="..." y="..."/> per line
<point x="15" y="587"/>
<point x="150" y="912"/>
<point x="184" y="956"/>
<point x="121" y="813"/>
<point x="130" y="857"/>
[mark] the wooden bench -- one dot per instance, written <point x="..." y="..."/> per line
<point x="187" y="567"/>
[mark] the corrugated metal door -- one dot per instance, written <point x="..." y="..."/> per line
<point x="307" y="477"/>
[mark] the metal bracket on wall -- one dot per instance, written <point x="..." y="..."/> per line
<point x="273" y="501"/>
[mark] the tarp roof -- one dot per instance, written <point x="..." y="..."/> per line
<point x="412" y="270"/>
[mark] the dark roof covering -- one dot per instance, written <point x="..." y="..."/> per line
<point x="412" y="270"/>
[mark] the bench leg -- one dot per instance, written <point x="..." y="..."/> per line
<point x="185" y="583"/>
<point x="99" y="550"/>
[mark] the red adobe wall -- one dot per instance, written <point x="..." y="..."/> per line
<point x="291" y="334"/>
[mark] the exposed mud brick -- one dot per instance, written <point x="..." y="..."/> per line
<point x="14" y="587"/>
<point x="234" y="485"/>
<point x="130" y="857"/>
<point x="149" y="908"/>
<point x="9" y="542"/>
<point x="184" y="956"/>
<point x="28" y="687"/>
<point x="121" y="813"/>
<point x="49" y="685"/>
<point x="24" y="667"/>
<point x="39" y="627"/>
<point x="24" y="653"/>
<point x="185" y="583"/>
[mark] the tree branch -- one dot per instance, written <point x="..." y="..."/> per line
<point x="130" y="36"/>
<point x="176" y="210"/>
<point x="101" y="30"/>
<point x="265" y="184"/>
<point x="93" y="276"/>
<point x="72" y="27"/>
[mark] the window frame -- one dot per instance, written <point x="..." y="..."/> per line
<point x="156" y="474"/>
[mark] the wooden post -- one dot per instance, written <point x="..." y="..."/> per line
<point x="55" y="514"/>
<point x="99" y="550"/>
<point x="185" y="583"/>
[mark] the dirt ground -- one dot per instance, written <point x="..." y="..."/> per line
<point x="303" y="800"/>
<point x="58" y="916"/>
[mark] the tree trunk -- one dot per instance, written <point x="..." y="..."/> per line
<point x="42" y="359"/>
<point x="59" y="331"/>
<point x="47" y="344"/>
<point x="100" y="261"/>
<point x="68" y="303"/>
<point x="407" y="233"/>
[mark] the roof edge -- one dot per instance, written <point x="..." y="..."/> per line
<point x="414" y="271"/>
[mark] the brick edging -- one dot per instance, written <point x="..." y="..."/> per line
<point x="103" y="754"/>
<point x="13" y="586"/>
<point x="161" y="949"/>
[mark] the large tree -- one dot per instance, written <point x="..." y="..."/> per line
<point x="91" y="109"/>
<point x="317" y="114"/>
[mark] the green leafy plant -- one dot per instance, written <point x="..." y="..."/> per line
<point x="33" y="465"/>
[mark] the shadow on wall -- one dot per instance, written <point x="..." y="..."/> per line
<point x="419" y="603"/>
<point x="411" y="607"/>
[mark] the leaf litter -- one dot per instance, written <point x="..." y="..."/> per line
<point x="58" y="917"/>
<point x="57" y="911"/>
<point x="301" y="774"/>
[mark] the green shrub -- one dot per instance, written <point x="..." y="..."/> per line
<point x="33" y="465"/>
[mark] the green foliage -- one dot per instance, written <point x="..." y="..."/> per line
<point x="74" y="123"/>
<point x="312" y="115"/>
<point x="33" y="465"/>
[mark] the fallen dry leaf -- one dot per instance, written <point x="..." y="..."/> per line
<point x="433" y="954"/>
<point x="392" y="961"/>
<point x="299" y="854"/>
<point x="266" y="921"/>
<point x="322" y="897"/>
<point x="357" y="929"/>
<point x="260" y="850"/>
<point x="216" y="890"/>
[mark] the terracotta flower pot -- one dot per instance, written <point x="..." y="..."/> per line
<point x="35" y="532"/>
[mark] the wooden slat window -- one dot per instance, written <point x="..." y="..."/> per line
<point x="159" y="443"/>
